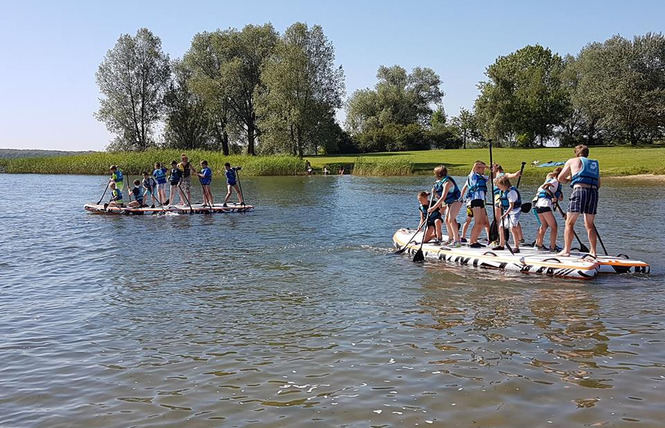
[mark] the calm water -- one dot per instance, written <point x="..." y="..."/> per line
<point x="298" y="315"/>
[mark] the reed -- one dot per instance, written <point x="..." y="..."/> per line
<point x="388" y="167"/>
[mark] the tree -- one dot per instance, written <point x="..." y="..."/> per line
<point x="301" y="90"/>
<point x="133" y="79"/>
<point x="524" y="97"/>
<point x="381" y="118"/>
<point x="187" y="122"/>
<point x="468" y="126"/>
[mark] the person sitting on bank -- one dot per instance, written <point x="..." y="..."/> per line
<point x="584" y="176"/>
<point x="137" y="192"/>
<point x="232" y="184"/>
<point x="116" y="197"/>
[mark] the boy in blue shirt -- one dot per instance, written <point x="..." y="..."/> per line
<point x="160" y="176"/>
<point x="231" y="183"/>
<point x="205" y="177"/>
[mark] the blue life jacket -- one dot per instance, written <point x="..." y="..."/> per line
<point x="207" y="176"/>
<point x="545" y="193"/>
<point x="476" y="182"/>
<point x="434" y="215"/>
<point x="149" y="184"/>
<point x="230" y="177"/>
<point x="558" y="193"/>
<point x="117" y="176"/>
<point x="160" y="175"/>
<point x="454" y="192"/>
<point x="175" y="176"/>
<point x="589" y="174"/>
<point x="505" y="203"/>
<point x="138" y="194"/>
<point x="116" y="196"/>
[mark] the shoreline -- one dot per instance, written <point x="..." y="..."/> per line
<point x="636" y="177"/>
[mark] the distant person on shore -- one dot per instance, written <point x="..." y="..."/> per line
<point x="548" y="196"/>
<point x="150" y="186"/>
<point x="231" y="184"/>
<point x="326" y="171"/>
<point x="433" y="227"/>
<point x="186" y="169"/>
<point x="205" y="178"/>
<point x="448" y="203"/>
<point x="160" y="176"/>
<point x="174" y="180"/>
<point x="137" y="193"/>
<point x="341" y="170"/>
<point x="117" y="177"/>
<point x="476" y="186"/>
<point x="584" y="176"/>
<point x="308" y="167"/>
<point x="116" y="197"/>
<point x="510" y="217"/>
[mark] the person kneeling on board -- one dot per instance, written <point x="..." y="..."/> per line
<point x="510" y="217"/>
<point x="137" y="191"/>
<point x="433" y="228"/>
<point x="116" y="197"/>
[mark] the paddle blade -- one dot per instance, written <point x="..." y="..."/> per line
<point x="400" y="251"/>
<point x="526" y="207"/>
<point x="584" y="248"/>
<point x="419" y="256"/>
<point x="494" y="231"/>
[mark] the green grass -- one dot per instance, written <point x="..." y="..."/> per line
<point x="614" y="161"/>
<point x="134" y="163"/>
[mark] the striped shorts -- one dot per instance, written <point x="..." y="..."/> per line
<point x="583" y="200"/>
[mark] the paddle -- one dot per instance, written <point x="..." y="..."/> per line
<point x="401" y="250"/>
<point x="419" y="256"/>
<point x="526" y="206"/>
<point x="583" y="248"/>
<point x="600" y="239"/>
<point x="102" y="198"/>
<point x="240" y="185"/>
<point x="182" y="192"/>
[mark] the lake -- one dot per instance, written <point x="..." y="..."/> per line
<point x="298" y="314"/>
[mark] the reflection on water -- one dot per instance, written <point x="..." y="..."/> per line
<point x="297" y="314"/>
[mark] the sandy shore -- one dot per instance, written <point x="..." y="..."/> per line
<point x="638" y="177"/>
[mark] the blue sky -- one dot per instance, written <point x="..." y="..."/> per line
<point x="51" y="50"/>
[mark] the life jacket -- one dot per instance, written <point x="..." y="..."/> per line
<point x="160" y="175"/>
<point x="116" y="196"/>
<point x="230" y="176"/>
<point x="117" y="176"/>
<point x="175" y="176"/>
<point x="477" y="183"/>
<point x="434" y="215"/>
<point x="149" y="184"/>
<point x="505" y="203"/>
<point x="207" y="176"/>
<point x="589" y="174"/>
<point x="138" y="194"/>
<point x="454" y="192"/>
<point x="544" y="191"/>
<point x="185" y="168"/>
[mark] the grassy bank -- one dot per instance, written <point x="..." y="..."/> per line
<point x="135" y="163"/>
<point x="614" y="161"/>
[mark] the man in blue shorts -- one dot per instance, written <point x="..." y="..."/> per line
<point x="584" y="176"/>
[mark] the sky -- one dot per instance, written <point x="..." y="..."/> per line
<point x="51" y="49"/>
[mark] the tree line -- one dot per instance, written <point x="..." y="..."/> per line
<point x="265" y="93"/>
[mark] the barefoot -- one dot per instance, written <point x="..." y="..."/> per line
<point x="563" y="254"/>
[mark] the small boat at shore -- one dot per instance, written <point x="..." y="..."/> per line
<point x="175" y="209"/>
<point x="528" y="260"/>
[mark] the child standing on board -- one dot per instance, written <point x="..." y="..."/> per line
<point x="150" y="186"/>
<point x="231" y="184"/>
<point x="433" y="228"/>
<point x="476" y="186"/>
<point x="174" y="180"/>
<point x="549" y="194"/>
<point x="449" y="195"/>
<point x="205" y="177"/>
<point x="116" y="197"/>
<point x="509" y="218"/>
<point x="137" y="191"/>
<point x="117" y="177"/>
<point x="160" y="176"/>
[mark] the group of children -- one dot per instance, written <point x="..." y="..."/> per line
<point x="443" y="203"/>
<point x="153" y="185"/>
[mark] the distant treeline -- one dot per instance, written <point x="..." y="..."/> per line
<point x="257" y="91"/>
<point x="29" y="153"/>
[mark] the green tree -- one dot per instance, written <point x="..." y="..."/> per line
<point x="133" y="78"/>
<point x="187" y="122"/>
<point x="302" y="89"/>
<point x="524" y="97"/>
<point x="468" y="126"/>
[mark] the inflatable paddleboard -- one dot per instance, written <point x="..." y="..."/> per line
<point x="177" y="209"/>
<point x="572" y="267"/>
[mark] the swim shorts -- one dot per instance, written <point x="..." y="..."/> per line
<point x="583" y="200"/>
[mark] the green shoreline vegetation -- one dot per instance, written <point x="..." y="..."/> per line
<point x="614" y="161"/>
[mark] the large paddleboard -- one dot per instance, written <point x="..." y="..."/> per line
<point x="573" y="267"/>
<point x="177" y="209"/>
